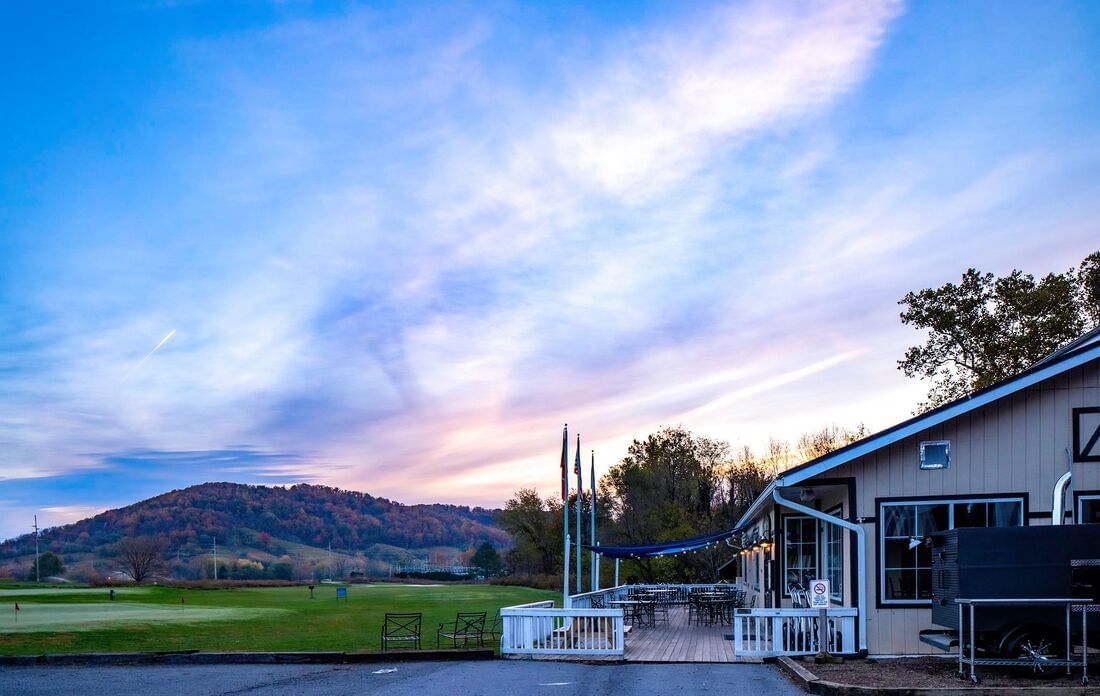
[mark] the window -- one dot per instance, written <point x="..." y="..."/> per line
<point x="905" y="563"/>
<point x="1088" y="509"/>
<point x="833" y="553"/>
<point x="799" y="551"/>
<point x="935" y="454"/>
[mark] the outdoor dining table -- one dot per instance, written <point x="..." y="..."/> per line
<point x="634" y="606"/>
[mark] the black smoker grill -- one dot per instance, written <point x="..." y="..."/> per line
<point x="1012" y="563"/>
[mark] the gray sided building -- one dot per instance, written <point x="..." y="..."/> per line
<point x="856" y="515"/>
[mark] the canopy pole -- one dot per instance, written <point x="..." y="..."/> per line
<point x="580" y="528"/>
<point x="617" y="572"/>
<point x="594" y="564"/>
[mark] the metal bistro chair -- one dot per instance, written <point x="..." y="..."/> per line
<point x="598" y="601"/>
<point x="401" y="628"/>
<point x="467" y="626"/>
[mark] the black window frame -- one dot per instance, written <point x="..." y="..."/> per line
<point x="951" y="500"/>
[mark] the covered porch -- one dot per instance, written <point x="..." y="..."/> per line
<point x="612" y="625"/>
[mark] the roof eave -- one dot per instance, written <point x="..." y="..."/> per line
<point x="891" y="435"/>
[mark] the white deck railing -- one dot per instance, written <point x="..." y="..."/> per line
<point x="770" y="632"/>
<point x="540" y="629"/>
<point x="678" y="594"/>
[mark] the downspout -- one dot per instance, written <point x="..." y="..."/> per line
<point x="861" y="556"/>
<point x="1058" y="505"/>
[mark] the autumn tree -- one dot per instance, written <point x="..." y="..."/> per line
<point x="828" y="439"/>
<point x="535" y="529"/>
<point x="985" y="329"/>
<point x="140" y="557"/>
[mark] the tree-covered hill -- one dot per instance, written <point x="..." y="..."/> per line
<point x="246" y="515"/>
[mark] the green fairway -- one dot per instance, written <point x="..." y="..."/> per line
<point x="243" y="619"/>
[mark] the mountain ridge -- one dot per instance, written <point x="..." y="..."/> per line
<point x="253" y="516"/>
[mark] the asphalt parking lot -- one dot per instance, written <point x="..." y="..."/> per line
<point x="413" y="679"/>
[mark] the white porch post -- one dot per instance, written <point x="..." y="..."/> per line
<point x="565" y="602"/>
<point x="861" y="555"/>
<point x="617" y="572"/>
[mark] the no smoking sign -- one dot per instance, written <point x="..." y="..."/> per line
<point x="819" y="594"/>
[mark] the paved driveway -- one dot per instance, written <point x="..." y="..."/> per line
<point x="409" y="679"/>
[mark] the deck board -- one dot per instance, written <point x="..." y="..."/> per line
<point x="679" y="642"/>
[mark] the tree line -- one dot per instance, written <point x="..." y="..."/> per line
<point x="672" y="485"/>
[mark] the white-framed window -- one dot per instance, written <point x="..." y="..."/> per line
<point x="905" y="563"/>
<point x="1088" y="509"/>
<point x="832" y="551"/>
<point x="799" y="552"/>
<point x="935" y="454"/>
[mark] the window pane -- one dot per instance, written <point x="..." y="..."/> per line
<point x="901" y="584"/>
<point x="924" y="584"/>
<point x="897" y="554"/>
<point x="931" y="518"/>
<point x="1005" y="514"/>
<point x="924" y="555"/>
<point x="970" y="515"/>
<point x="1090" y="511"/>
<point x="897" y="520"/>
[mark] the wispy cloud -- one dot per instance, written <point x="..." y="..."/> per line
<point x="398" y="247"/>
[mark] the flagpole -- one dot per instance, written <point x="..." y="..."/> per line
<point x="594" y="567"/>
<point x="565" y="516"/>
<point x="580" y="529"/>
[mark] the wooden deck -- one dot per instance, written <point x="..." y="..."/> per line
<point x="680" y="642"/>
<point x="675" y="642"/>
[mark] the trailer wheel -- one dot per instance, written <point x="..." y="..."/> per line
<point x="1033" y="647"/>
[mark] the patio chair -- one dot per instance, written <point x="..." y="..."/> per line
<point x="467" y="626"/>
<point x="401" y="628"/>
<point x="493" y="631"/>
<point x="598" y="602"/>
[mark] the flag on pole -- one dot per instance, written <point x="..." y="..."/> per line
<point x="17" y="607"/>
<point x="565" y="463"/>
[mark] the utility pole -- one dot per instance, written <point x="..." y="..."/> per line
<point x="37" y="574"/>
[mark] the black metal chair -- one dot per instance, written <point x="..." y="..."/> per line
<point x="598" y="602"/>
<point x="401" y="628"/>
<point x="493" y="631"/>
<point x="467" y="626"/>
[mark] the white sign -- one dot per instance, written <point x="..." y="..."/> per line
<point x="819" y="594"/>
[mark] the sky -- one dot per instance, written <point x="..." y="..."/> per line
<point x="393" y="247"/>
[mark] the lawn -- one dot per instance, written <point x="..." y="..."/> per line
<point x="54" y="620"/>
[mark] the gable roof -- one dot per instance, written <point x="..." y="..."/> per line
<point x="1081" y="350"/>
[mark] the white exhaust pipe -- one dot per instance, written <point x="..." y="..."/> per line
<point x="1058" y="504"/>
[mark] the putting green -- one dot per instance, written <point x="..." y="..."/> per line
<point x="35" y="618"/>
<point x="54" y="591"/>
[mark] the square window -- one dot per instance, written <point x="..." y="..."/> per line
<point x="935" y="454"/>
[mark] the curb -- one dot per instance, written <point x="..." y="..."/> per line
<point x="194" y="657"/>
<point x="811" y="683"/>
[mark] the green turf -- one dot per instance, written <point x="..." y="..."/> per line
<point x="242" y="619"/>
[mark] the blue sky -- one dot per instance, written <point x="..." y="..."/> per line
<point x="400" y="244"/>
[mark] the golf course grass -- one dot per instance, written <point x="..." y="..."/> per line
<point x="57" y="620"/>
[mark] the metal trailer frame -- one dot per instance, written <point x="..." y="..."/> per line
<point x="1068" y="662"/>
